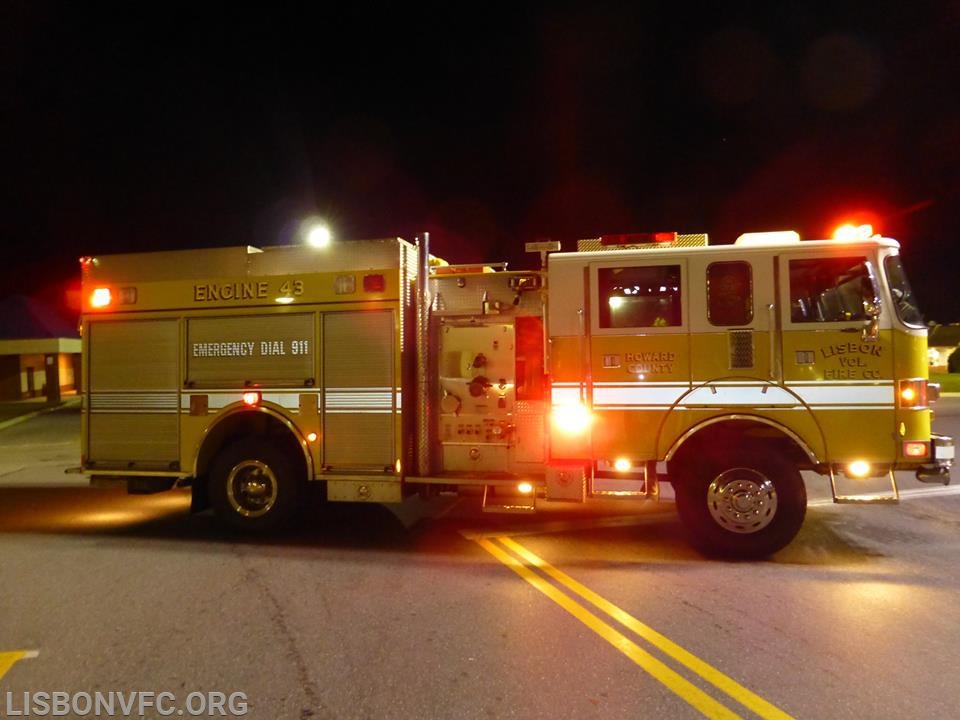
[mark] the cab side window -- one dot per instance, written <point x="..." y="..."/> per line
<point x="641" y="296"/>
<point x="729" y="293"/>
<point x="829" y="289"/>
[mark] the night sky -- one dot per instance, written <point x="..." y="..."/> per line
<point x="147" y="127"/>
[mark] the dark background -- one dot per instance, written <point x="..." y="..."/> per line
<point x="139" y="127"/>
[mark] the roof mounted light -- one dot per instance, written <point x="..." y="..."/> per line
<point x="776" y="237"/>
<point x="850" y="232"/>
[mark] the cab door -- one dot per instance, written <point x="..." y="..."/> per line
<point x="830" y="359"/>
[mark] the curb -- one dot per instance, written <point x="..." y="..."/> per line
<point x="22" y="418"/>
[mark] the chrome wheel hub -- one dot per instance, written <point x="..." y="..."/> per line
<point x="251" y="488"/>
<point x="742" y="500"/>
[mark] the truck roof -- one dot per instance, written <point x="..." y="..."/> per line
<point x="240" y="261"/>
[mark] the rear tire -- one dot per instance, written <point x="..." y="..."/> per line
<point x="254" y="486"/>
<point x="746" y="503"/>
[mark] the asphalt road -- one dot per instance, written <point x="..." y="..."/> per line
<point x="571" y="613"/>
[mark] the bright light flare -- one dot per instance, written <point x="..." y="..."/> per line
<point x="622" y="465"/>
<point x="251" y="399"/>
<point x="572" y="419"/>
<point x="319" y="236"/>
<point x="858" y="469"/>
<point x="849" y="232"/>
<point x="101" y="297"/>
<point x="913" y="393"/>
<point x="525" y="488"/>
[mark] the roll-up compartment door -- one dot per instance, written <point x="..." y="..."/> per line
<point x="133" y="401"/>
<point x="360" y="404"/>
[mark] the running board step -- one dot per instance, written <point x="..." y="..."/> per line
<point x="868" y="492"/>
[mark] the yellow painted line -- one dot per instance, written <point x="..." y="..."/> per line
<point x="7" y="659"/>
<point x="709" y="673"/>
<point x="679" y="685"/>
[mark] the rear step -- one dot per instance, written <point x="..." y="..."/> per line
<point x="498" y="499"/>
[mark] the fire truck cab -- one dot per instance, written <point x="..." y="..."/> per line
<point x="380" y="371"/>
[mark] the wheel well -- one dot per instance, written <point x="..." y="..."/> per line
<point x="259" y="424"/>
<point x="713" y="440"/>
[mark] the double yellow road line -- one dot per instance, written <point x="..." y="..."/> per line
<point x="578" y="599"/>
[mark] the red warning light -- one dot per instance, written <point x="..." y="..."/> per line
<point x="101" y="297"/>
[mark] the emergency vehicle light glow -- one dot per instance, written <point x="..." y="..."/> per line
<point x="849" y="232"/>
<point x="912" y="393"/>
<point x="101" y="297"/>
<point x="571" y="419"/>
<point x="768" y="238"/>
<point x="251" y="399"/>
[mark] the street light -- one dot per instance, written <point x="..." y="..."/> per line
<point x="319" y="236"/>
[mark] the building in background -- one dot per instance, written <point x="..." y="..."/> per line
<point x="942" y="342"/>
<point x="39" y="351"/>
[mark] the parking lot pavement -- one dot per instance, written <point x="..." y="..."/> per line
<point x="38" y="442"/>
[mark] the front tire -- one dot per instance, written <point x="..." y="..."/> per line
<point x="254" y="486"/>
<point x="746" y="503"/>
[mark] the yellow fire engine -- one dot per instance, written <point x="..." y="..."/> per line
<point x="379" y="371"/>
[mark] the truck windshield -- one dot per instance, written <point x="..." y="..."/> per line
<point x="903" y="299"/>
